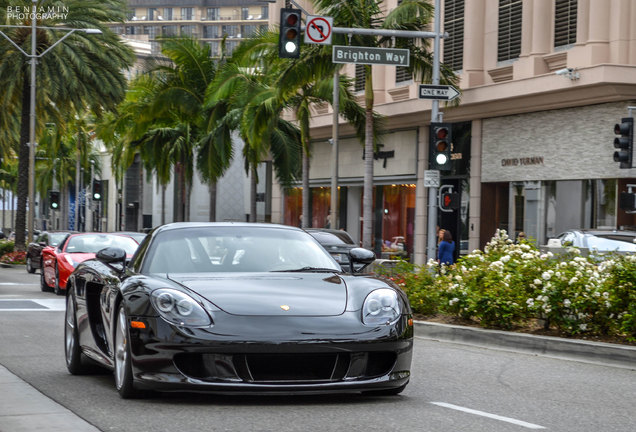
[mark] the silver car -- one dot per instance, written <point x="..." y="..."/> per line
<point x="600" y="240"/>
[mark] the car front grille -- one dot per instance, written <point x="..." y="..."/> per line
<point x="285" y="368"/>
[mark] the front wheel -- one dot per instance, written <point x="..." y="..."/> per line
<point x="74" y="357"/>
<point x="58" y="290"/>
<point x="29" y="265"/>
<point x="123" y="363"/>
<point x="43" y="285"/>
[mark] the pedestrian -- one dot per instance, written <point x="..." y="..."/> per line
<point x="446" y="250"/>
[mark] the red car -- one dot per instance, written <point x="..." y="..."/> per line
<point x="59" y="262"/>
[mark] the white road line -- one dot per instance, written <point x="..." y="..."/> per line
<point x="18" y="283"/>
<point x="54" y="304"/>
<point x="492" y="416"/>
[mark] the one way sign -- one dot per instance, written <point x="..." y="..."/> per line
<point x="439" y="92"/>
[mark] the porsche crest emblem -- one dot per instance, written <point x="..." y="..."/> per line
<point x="284" y="307"/>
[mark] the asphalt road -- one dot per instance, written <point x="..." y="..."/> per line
<point x="453" y="387"/>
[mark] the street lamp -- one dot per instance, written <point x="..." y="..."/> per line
<point x="34" y="56"/>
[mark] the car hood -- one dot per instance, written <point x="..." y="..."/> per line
<point x="306" y="294"/>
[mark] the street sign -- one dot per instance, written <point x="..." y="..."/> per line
<point x="318" y="30"/>
<point x="439" y="92"/>
<point x="431" y="178"/>
<point x="370" y="55"/>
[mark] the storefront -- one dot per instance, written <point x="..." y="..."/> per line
<point x="550" y="171"/>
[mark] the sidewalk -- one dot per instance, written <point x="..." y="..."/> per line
<point x="25" y="409"/>
<point x="623" y="356"/>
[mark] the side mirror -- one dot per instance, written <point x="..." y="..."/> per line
<point x="360" y="256"/>
<point x="111" y="255"/>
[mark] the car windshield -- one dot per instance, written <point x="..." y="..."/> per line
<point x="93" y="243"/>
<point x="606" y="244"/>
<point x="56" y="238"/>
<point x="332" y="238"/>
<point x="235" y="249"/>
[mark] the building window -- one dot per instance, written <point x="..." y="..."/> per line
<point x="188" y="30"/>
<point x="167" y="13"/>
<point x="454" y="26"/>
<point x="213" y="14"/>
<point x="170" y="30"/>
<point x="211" y="32"/>
<point x="509" y="36"/>
<point x="264" y="12"/>
<point x="214" y="48"/>
<point x="249" y="30"/>
<point x="187" y="13"/>
<point x="230" y="46"/>
<point x="245" y="13"/>
<point x="564" y="22"/>
<point x="230" y="30"/>
<point x="402" y="74"/>
<point x="152" y="14"/>
<point x="360" y="77"/>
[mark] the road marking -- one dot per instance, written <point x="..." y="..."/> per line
<point x="492" y="416"/>
<point x="17" y="283"/>
<point x="32" y="305"/>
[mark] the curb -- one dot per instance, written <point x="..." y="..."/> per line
<point x="607" y="354"/>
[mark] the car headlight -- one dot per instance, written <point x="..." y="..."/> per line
<point x="179" y="308"/>
<point x="381" y="307"/>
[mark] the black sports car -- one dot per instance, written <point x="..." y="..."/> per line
<point x="237" y="307"/>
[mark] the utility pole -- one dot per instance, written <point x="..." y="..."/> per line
<point x="435" y="117"/>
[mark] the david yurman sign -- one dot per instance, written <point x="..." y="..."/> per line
<point x="534" y="160"/>
<point x="370" y="55"/>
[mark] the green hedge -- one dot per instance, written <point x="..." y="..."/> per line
<point x="507" y="284"/>
<point x="6" y="246"/>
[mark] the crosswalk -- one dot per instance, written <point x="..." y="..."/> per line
<point x="32" y="305"/>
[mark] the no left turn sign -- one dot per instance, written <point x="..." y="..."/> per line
<point x="318" y="30"/>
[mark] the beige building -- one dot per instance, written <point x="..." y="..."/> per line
<point x="543" y="82"/>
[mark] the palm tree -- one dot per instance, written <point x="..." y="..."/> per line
<point x="82" y="69"/>
<point x="408" y="15"/>
<point x="243" y="98"/>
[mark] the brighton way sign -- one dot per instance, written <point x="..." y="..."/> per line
<point x="370" y="55"/>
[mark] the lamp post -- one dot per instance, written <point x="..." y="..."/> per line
<point x="34" y="57"/>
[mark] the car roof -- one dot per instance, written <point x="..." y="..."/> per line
<point x="181" y="225"/>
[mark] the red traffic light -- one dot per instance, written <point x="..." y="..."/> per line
<point x="292" y="19"/>
<point x="441" y="133"/>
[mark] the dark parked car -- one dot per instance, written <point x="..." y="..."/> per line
<point x="337" y="242"/>
<point x="237" y="307"/>
<point x="600" y="240"/>
<point x="34" y="249"/>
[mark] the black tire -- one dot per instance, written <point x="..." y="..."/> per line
<point x="75" y="362"/>
<point x="385" y="392"/>
<point x="29" y="265"/>
<point x="123" y="362"/>
<point x="43" y="285"/>
<point x="57" y="289"/>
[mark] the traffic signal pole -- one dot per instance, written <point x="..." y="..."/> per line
<point x="435" y="117"/>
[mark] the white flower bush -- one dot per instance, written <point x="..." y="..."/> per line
<point x="507" y="284"/>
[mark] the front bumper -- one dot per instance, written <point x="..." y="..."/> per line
<point x="272" y="355"/>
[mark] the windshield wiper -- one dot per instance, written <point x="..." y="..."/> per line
<point x="309" y="269"/>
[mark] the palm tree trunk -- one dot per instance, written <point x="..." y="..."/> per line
<point x="23" y="169"/>
<point x="306" y="192"/>
<point x="253" y="184"/>
<point x="163" y="204"/>
<point x="212" y="189"/>
<point x="367" y="195"/>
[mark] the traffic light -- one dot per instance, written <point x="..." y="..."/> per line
<point x="449" y="201"/>
<point x="97" y="190"/>
<point x="289" y="36"/>
<point x="625" y="143"/>
<point x="440" y="146"/>
<point x="54" y="200"/>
